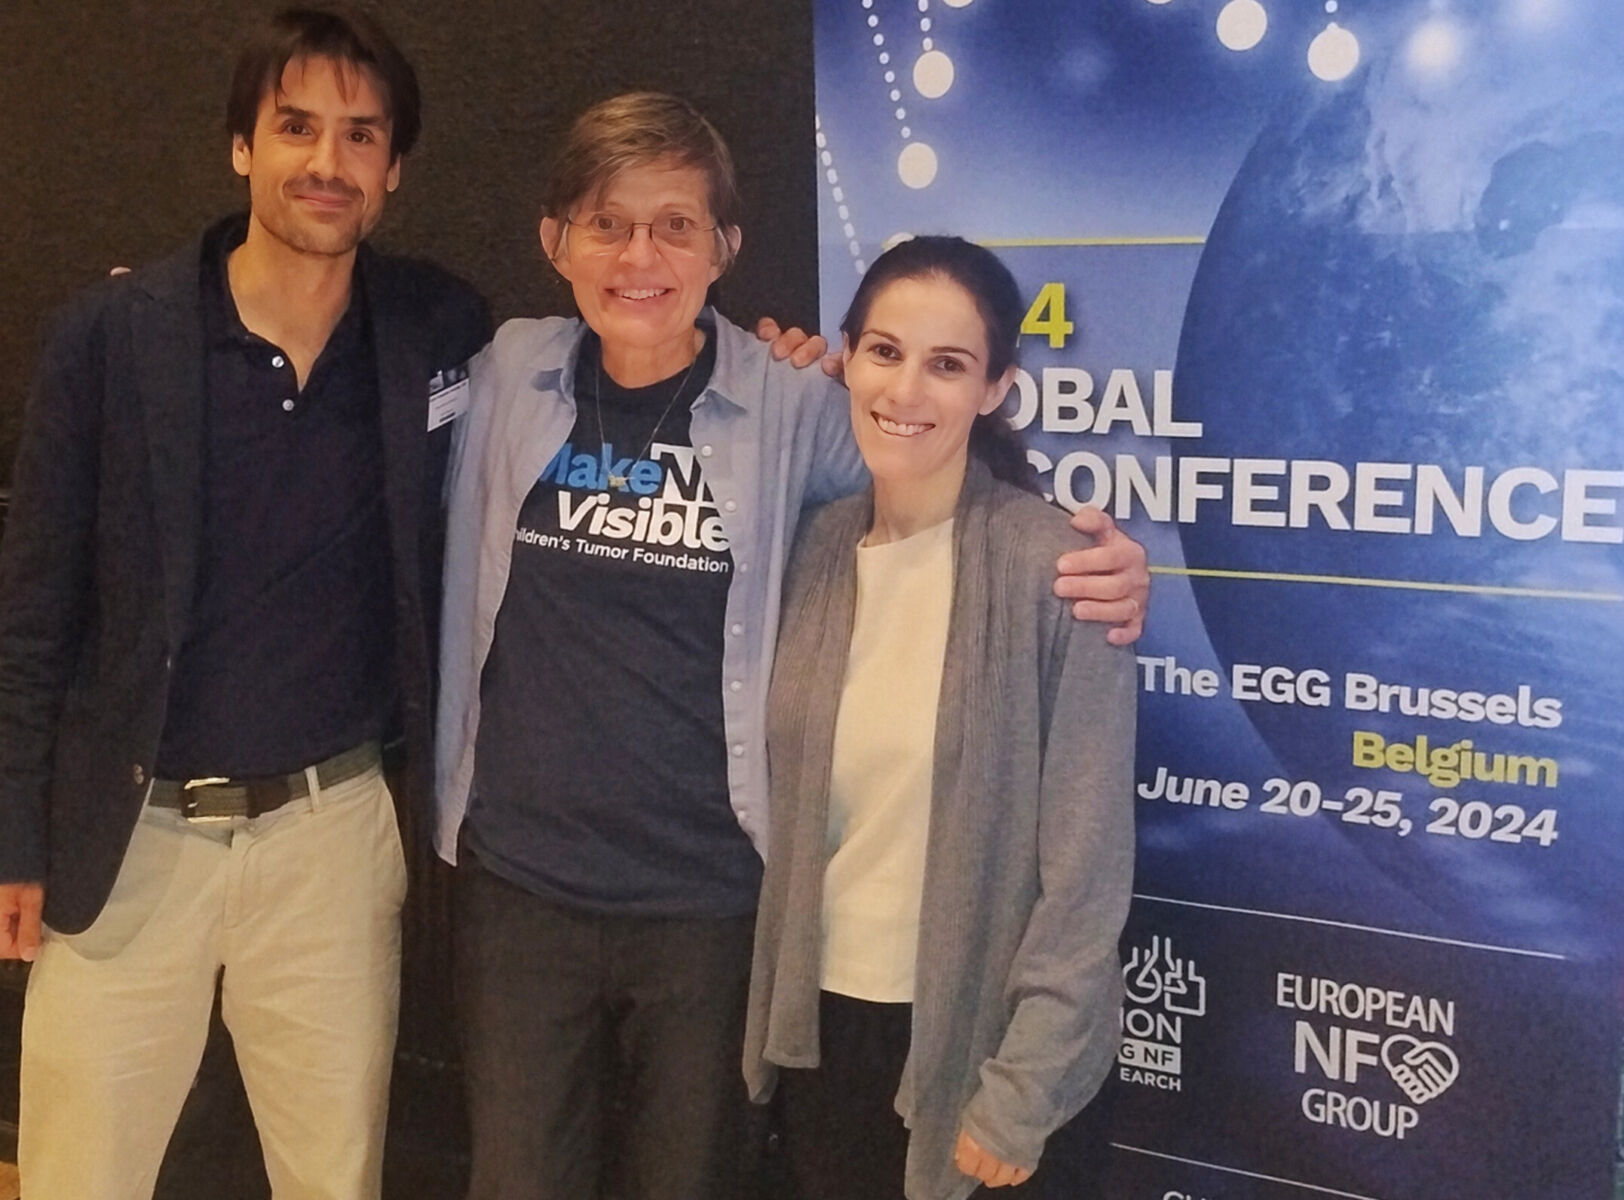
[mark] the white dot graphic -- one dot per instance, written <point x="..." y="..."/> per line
<point x="1242" y="24"/>
<point x="916" y="165"/>
<point x="893" y="88"/>
<point x="839" y="195"/>
<point x="1333" y="54"/>
<point x="933" y="74"/>
<point x="957" y="3"/>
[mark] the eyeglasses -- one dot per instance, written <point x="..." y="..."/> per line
<point x="604" y="232"/>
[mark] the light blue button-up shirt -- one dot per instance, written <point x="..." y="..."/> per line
<point x="771" y="440"/>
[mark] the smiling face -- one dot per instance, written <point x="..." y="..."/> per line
<point x="641" y="296"/>
<point x="918" y="380"/>
<point x="320" y="165"/>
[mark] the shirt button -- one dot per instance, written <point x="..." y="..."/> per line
<point x="138" y="775"/>
<point x="278" y="361"/>
<point x="743" y="567"/>
<point x="737" y="631"/>
<point x="706" y="451"/>
<point x="736" y="686"/>
<point x="731" y="506"/>
<point x="738" y="749"/>
<point x="287" y="406"/>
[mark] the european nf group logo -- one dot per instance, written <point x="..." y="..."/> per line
<point x="1346" y="1035"/>
<point x="1162" y="989"/>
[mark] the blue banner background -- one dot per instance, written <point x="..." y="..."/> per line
<point x="1420" y="263"/>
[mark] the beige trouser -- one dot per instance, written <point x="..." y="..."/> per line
<point x="298" y="915"/>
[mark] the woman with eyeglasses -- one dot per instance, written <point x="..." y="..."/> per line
<point x="623" y="493"/>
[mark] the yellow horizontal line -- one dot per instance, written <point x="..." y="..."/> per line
<point x="1176" y="240"/>
<point x="1414" y="585"/>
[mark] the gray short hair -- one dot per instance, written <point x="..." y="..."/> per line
<point x="635" y="130"/>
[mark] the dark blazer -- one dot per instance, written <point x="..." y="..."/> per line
<point x="98" y="566"/>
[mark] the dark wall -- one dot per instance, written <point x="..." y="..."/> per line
<point x="112" y="150"/>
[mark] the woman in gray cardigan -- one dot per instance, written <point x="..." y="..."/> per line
<point x="936" y="983"/>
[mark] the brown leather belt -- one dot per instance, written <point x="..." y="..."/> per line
<point x="219" y="799"/>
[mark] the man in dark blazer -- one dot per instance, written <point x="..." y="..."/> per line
<point x="217" y="597"/>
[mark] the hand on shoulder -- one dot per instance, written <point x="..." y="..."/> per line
<point x="799" y="347"/>
<point x="1109" y="581"/>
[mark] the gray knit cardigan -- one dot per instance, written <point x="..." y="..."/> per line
<point x="1030" y="851"/>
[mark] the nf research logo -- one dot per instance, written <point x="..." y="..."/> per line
<point x="1361" y="1028"/>
<point x="1162" y="989"/>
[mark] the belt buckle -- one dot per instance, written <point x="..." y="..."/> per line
<point x="188" y="808"/>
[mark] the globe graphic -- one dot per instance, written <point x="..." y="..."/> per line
<point x="1419" y="271"/>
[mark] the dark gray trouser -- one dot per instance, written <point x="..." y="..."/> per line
<point x="602" y="1053"/>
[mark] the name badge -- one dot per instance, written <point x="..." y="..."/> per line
<point x="448" y="396"/>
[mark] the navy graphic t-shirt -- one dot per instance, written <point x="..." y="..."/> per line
<point x="600" y="771"/>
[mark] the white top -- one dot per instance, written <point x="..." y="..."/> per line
<point x="880" y="777"/>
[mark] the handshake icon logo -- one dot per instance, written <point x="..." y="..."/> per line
<point x="1423" y="1070"/>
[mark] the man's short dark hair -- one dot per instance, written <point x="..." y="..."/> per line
<point x="342" y="34"/>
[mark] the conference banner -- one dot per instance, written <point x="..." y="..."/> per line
<point x="1327" y="309"/>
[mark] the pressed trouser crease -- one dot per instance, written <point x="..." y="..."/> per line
<point x="297" y="913"/>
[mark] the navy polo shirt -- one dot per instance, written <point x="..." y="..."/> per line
<point x="288" y="655"/>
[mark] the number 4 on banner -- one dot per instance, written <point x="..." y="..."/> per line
<point x="1048" y="316"/>
<point x="1541" y="827"/>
